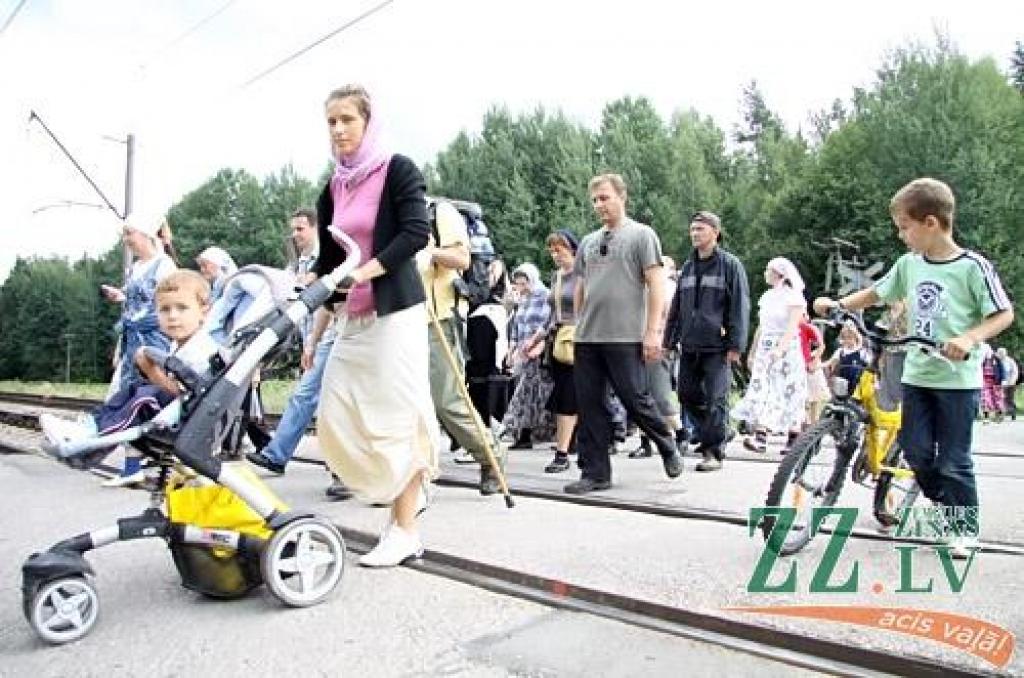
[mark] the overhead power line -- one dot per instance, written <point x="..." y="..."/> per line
<point x="353" y="22"/>
<point x="14" y="13"/>
<point x="189" y="31"/>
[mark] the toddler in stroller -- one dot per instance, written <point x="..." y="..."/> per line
<point x="228" y="536"/>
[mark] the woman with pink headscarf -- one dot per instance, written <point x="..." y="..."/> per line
<point x="376" y="426"/>
<point x="776" y="397"/>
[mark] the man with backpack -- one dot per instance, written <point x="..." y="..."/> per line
<point x="439" y="263"/>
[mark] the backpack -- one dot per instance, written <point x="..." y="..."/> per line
<point x="475" y="284"/>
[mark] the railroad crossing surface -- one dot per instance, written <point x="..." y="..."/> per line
<point x="651" y="544"/>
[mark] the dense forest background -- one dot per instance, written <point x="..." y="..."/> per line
<point x="929" y="112"/>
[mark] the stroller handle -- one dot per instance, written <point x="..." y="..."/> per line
<point x="352" y="256"/>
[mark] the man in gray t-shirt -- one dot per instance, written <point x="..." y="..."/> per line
<point x="619" y="300"/>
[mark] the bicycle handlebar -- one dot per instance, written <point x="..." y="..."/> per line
<point x="838" y="316"/>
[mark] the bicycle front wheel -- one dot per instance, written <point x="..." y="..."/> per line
<point x="896" y="491"/>
<point x="810" y="476"/>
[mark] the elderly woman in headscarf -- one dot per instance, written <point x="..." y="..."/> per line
<point x="528" y="417"/>
<point x="138" y="326"/>
<point x="776" y="397"/>
<point x="216" y="265"/>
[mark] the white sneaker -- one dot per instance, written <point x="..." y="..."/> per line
<point x="395" y="547"/>
<point x="61" y="431"/>
<point x="124" y="481"/>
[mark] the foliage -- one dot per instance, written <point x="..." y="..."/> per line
<point x="929" y="112"/>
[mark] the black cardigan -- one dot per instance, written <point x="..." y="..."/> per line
<point x="400" y="232"/>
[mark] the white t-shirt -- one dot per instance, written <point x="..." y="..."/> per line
<point x="196" y="352"/>
<point x="774" y="307"/>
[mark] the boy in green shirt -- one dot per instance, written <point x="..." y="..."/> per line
<point x="954" y="296"/>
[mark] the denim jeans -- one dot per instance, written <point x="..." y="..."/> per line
<point x="936" y="439"/>
<point x="301" y="405"/>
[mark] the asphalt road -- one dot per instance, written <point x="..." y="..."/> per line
<point x="378" y="623"/>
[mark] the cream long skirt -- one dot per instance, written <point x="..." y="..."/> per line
<point x="376" y="423"/>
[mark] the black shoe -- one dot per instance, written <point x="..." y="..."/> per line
<point x="263" y="461"/>
<point x="489" y="481"/>
<point x="586" y="485"/>
<point x="643" y="451"/>
<point x="673" y="465"/>
<point x="523" y="442"/>
<point x="558" y="464"/>
<point x="337" y="490"/>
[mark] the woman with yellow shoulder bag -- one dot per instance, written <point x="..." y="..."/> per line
<point x="559" y="334"/>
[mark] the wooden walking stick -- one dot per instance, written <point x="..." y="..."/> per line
<point x="460" y="379"/>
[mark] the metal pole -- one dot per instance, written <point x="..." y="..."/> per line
<point x="129" y="171"/>
<point x="67" y="359"/>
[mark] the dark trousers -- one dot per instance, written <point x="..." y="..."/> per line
<point x="1010" y="401"/>
<point x="622" y="366"/>
<point x="703" y="381"/>
<point x="935" y="435"/>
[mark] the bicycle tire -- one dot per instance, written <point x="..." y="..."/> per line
<point x="793" y="467"/>
<point x="885" y="514"/>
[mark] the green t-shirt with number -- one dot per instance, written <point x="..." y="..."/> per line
<point x="944" y="300"/>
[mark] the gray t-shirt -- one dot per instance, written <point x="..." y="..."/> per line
<point x="562" y="309"/>
<point x="614" y="300"/>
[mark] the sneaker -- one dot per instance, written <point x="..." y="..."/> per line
<point x="586" y="485"/>
<point x="464" y="457"/>
<point x="263" y="461"/>
<point x="61" y="431"/>
<point x="673" y="465"/>
<point x="125" y="481"/>
<point x="558" y="464"/>
<point x="337" y="491"/>
<point x="709" y="463"/>
<point x="489" y="481"/>
<point x="395" y="547"/>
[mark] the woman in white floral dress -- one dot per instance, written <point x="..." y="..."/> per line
<point x="777" y="394"/>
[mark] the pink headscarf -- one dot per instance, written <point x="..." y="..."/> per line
<point x="351" y="170"/>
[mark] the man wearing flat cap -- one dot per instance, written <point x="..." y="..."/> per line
<point x="708" y="321"/>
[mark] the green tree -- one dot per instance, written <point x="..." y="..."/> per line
<point x="1017" y="67"/>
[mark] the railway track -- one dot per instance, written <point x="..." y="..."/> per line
<point x="522" y="485"/>
<point x="770" y="643"/>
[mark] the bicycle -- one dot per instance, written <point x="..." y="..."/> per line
<point x="861" y="419"/>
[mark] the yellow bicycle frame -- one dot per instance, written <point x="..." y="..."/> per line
<point x="881" y="429"/>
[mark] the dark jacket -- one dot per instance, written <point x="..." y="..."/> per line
<point x="400" y="232"/>
<point x="724" y="305"/>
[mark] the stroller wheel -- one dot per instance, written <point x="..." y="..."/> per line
<point x="303" y="561"/>
<point x="63" y="610"/>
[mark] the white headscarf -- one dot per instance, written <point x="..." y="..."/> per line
<point x="219" y="258"/>
<point x="785" y="268"/>
<point x="531" y="273"/>
<point x="147" y="224"/>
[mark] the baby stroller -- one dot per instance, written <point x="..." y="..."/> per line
<point x="226" y="537"/>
